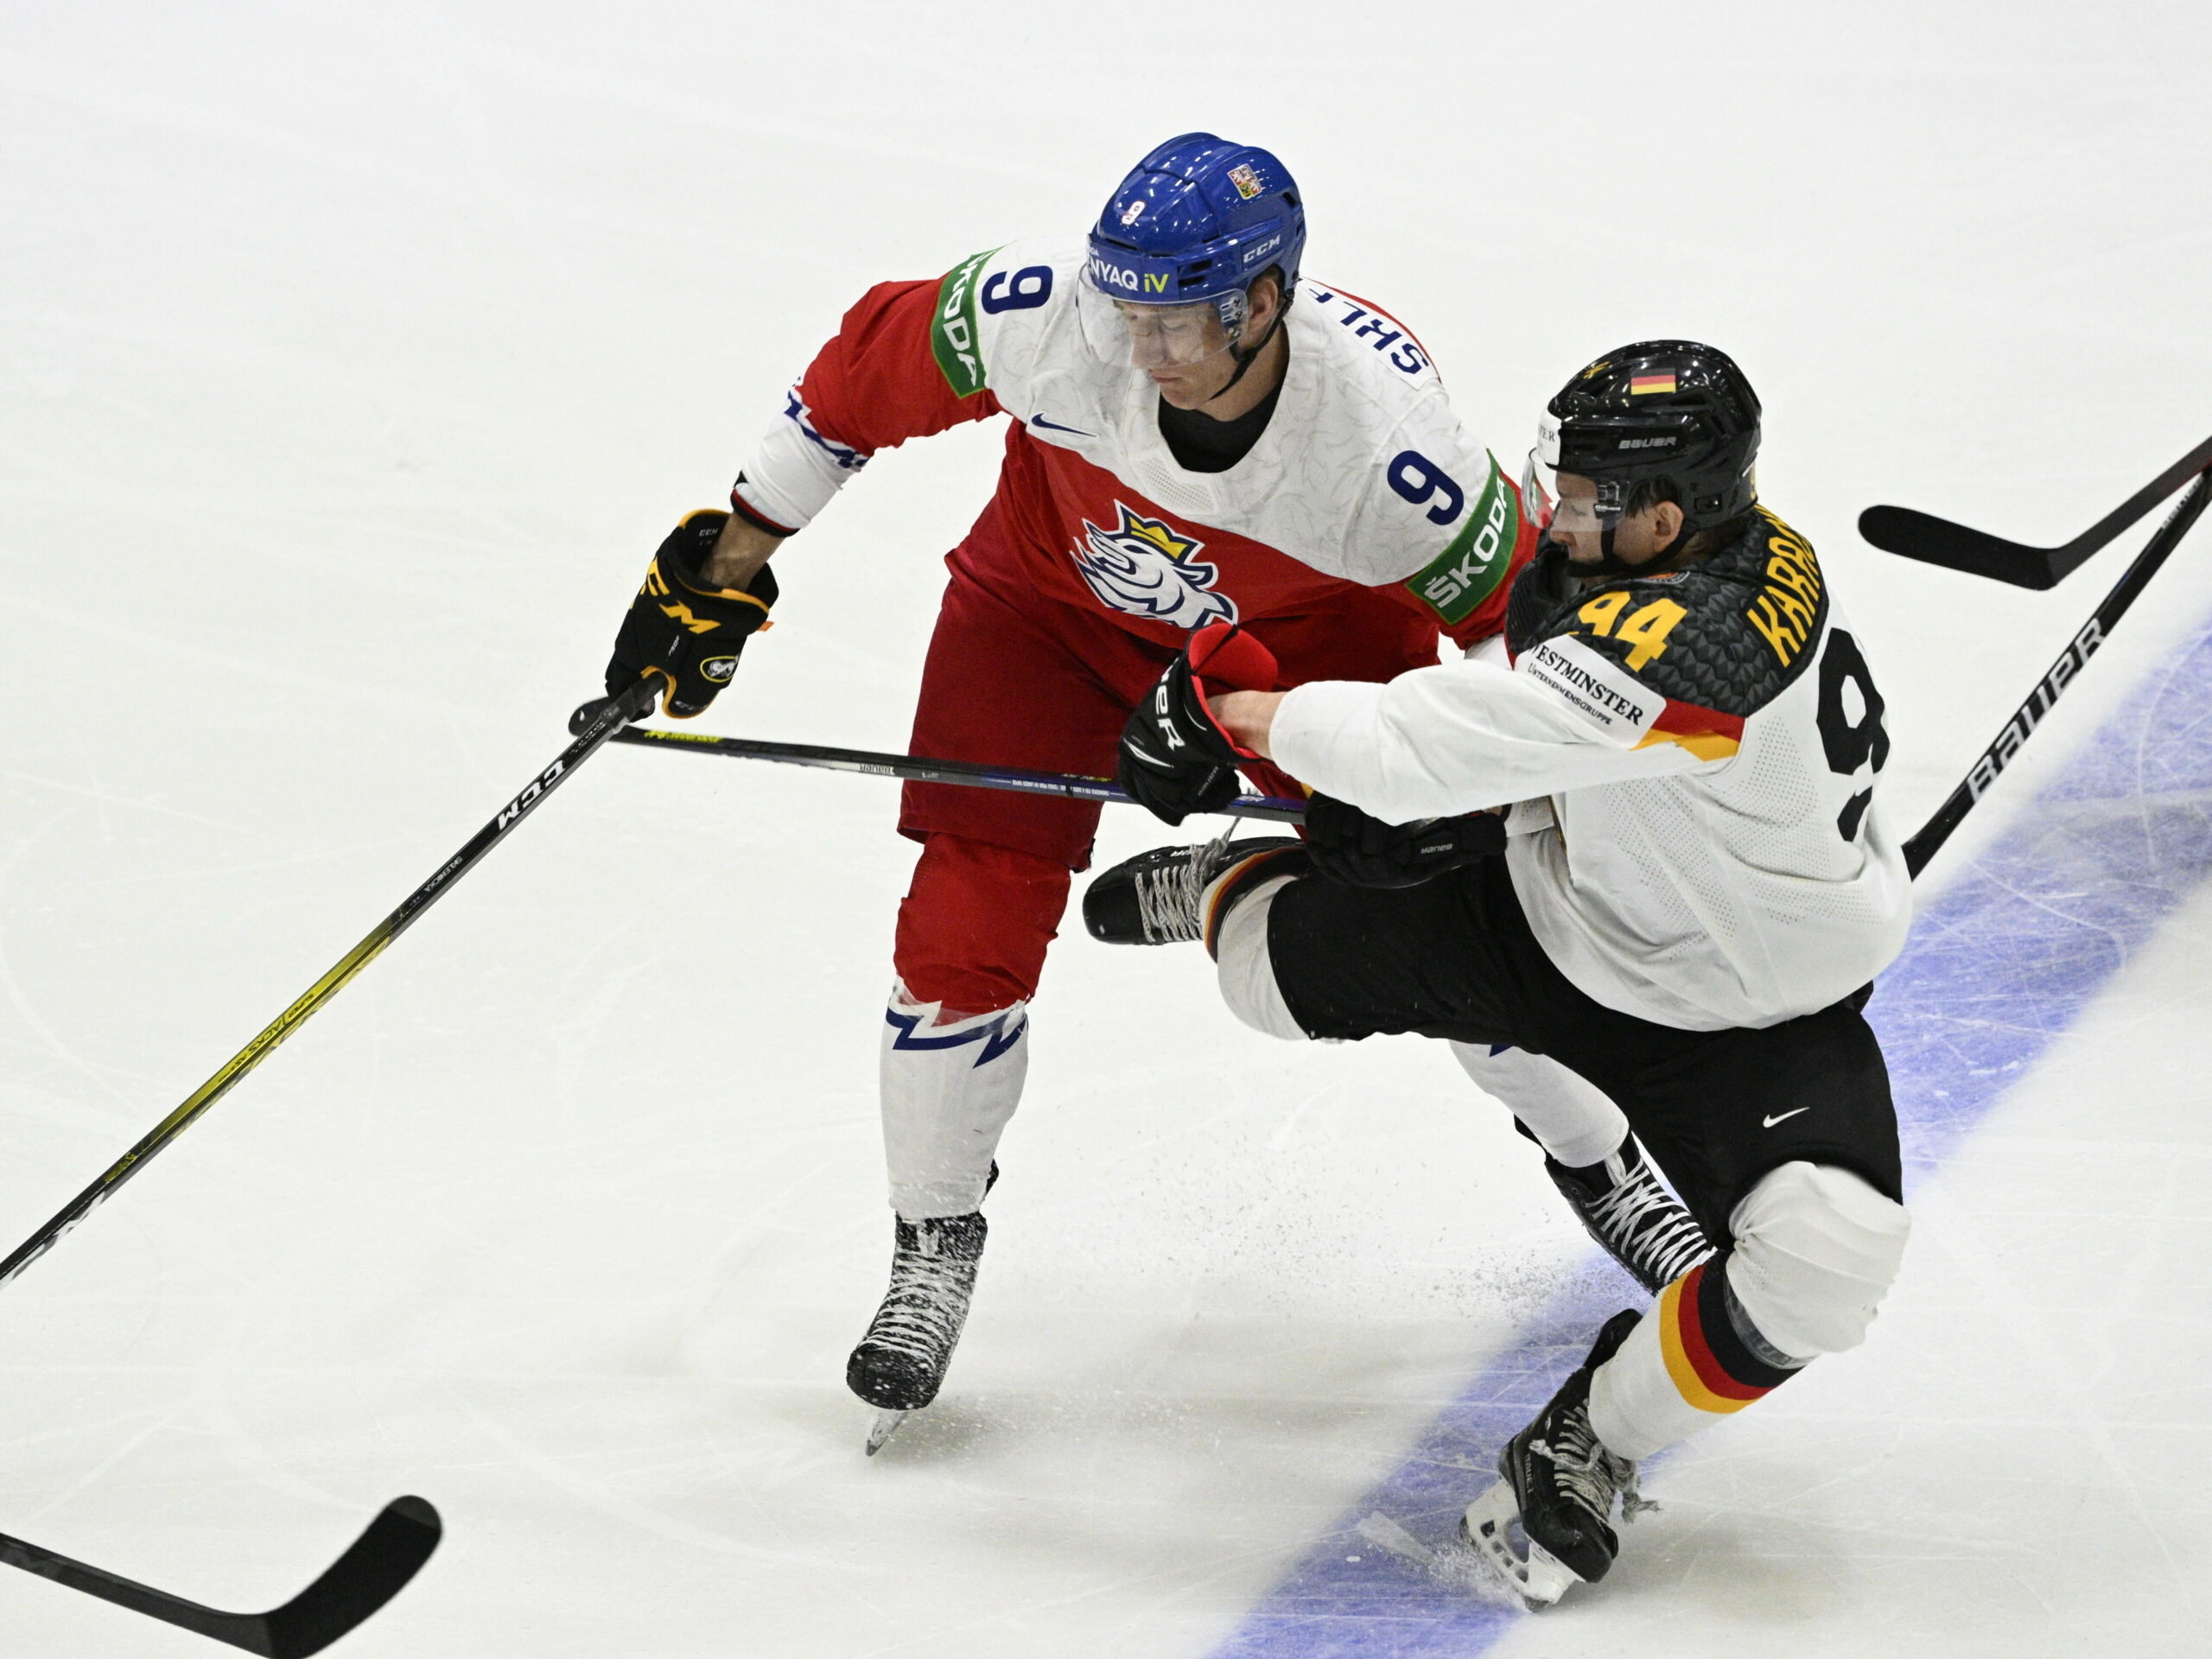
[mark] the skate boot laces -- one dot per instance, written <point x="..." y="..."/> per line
<point x="931" y="1283"/>
<point x="924" y="1308"/>
<point x="1657" y="1236"/>
<point x="1169" y="894"/>
<point x="1585" y="1471"/>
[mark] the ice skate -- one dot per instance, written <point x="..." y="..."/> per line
<point x="901" y="1364"/>
<point x="1155" y="898"/>
<point x="1557" y="1487"/>
<point x="1633" y="1218"/>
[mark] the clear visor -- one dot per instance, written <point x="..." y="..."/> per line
<point x="1539" y="491"/>
<point x="1154" y="337"/>
<point x="1574" y="506"/>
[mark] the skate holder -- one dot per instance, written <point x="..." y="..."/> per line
<point x="1492" y="1527"/>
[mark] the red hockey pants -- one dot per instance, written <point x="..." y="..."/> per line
<point x="1036" y="683"/>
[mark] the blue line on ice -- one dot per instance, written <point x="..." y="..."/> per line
<point x="2004" y="960"/>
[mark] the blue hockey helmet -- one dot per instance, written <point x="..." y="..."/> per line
<point x="1198" y="217"/>
<point x="1197" y="220"/>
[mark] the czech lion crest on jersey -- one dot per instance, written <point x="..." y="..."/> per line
<point x="1144" y="567"/>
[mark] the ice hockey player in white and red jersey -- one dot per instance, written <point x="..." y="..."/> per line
<point x="1696" y="888"/>
<point x="1194" y="435"/>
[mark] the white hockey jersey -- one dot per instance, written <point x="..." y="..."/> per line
<point x="1364" y="505"/>
<point x="1698" y="839"/>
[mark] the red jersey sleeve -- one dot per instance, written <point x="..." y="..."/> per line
<point x="876" y="382"/>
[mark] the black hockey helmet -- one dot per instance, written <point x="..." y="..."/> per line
<point x="1660" y="409"/>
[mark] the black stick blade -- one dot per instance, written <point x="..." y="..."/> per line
<point x="1922" y="536"/>
<point x="377" y="1568"/>
<point x="1938" y="541"/>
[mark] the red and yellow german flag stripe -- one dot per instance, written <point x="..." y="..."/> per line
<point x="1697" y="1372"/>
<point x="1705" y="732"/>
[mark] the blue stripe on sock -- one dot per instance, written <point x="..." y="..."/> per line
<point x="2007" y="958"/>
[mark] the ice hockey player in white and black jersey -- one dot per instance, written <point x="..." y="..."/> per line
<point x="1697" y="886"/>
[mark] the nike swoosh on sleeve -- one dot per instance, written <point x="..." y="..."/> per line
<point x="1054" y="426"/>
<point x="1769" y="1123"/>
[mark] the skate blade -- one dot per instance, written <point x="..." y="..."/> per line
<point x="887" y="1425"/>
<point x="1489" y="1526"/>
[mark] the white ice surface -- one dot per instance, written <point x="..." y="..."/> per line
<point x="354" y="358"/>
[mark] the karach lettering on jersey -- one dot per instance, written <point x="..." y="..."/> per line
<point x="1697" y="754"/>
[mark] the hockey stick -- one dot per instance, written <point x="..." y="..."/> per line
<point x="966" y="773"/>
<point x="1955" y="547"/>
<point x="1994" y="758"/>
<point x="377" y="1568"/>
<point x="608" y="719"/>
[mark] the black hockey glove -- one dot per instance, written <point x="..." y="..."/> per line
<point x="1350" y="846"/>
<point x="1175" y="758"/>
<point x="682" y="631"/>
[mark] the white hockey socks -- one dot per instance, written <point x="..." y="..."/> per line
<point x="949" y="1086"/>
<point x="1573" y="1120"/>
<point x="1245" y="970"/>
<point x="1815" y="1247"/>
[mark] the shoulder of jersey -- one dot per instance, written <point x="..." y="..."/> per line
<point x="1008" y="312"/>
<point x="1434" y="510"/>
<point x="1731" y="634"/>
<point x="1367" y="347"/>
<point x="997" y="309"/>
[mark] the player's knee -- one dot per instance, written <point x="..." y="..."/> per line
<point x="1238" y="940"/>
<point x="976" y="922"/>
<point x="1816" y="1247"/>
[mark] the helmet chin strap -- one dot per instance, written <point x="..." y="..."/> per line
<point x="1247" y="357"/>
<point x="1610" y="563"/>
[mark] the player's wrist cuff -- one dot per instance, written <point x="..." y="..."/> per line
<point x="755" y="517"/>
